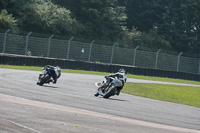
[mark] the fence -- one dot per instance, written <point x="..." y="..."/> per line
<point x="91" y="52"/>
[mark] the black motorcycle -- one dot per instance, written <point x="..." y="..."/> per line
<point x="47" y="75"/>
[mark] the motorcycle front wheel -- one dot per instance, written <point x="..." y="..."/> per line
<point x="110" y="92"/>
<point x="44" y="80"/>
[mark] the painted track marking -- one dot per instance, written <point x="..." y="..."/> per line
<point x="20" y="125"/>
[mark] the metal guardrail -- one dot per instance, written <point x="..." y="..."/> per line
<point x="68" y="49"/>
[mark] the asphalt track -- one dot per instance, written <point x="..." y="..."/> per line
<point x="70" y="107"/>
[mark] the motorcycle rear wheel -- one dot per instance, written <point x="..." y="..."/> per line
<point x="96" y="94"/>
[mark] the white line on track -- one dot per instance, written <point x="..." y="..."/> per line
<point x="25" y="127"/>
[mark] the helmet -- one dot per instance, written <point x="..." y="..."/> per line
<point x="122" y="70"/>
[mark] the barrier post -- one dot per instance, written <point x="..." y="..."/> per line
<point x="69" y="43"/>
<point x="199" y="67"/>
<point x="27" y="39"/>
<point x="156" y="63"/>
<point x="89" y="58"/>
<point x="134" y="58"/>
<point x="113" y="48"/>
<point x="49" y="44"/>
<point x="5" y="38"/>
<point x="178" y="62"/>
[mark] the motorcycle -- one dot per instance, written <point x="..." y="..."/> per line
<point x="106" y="88"/>
<point x="47" y="75"/>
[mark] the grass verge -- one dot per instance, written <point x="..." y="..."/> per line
<point x="171" y="93"/>
<point x="34" y="68"/>
<point x="164" y="79"/>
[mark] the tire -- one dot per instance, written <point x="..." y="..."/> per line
<point x="110" y="92"/>
<point x="96" y="94"/>
<point x="44" y="80"/>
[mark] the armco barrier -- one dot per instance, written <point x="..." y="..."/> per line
<point x="101" y="67"/>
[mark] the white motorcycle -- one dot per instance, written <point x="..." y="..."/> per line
<point x="107" y="88"/>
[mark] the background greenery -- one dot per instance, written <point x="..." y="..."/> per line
<point x="172" y="26"/>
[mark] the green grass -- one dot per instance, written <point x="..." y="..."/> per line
<point x="22" y="67"/>
<point x="164" y="79"/>
<point x="34" y="68"/>
<point x="171" y="93"/>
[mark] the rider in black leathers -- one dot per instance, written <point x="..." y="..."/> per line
<point x="53" y="70"/>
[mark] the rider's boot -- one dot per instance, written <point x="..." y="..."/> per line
<point x="96" y="94"/>
<point x="117" y="92"/>
<point x="50" y="80"/>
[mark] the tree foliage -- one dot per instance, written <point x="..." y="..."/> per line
<point x="102" y="19"/>
<point x="7" y="20"/>
<point x="155" y="24"/>
<point x="181" y="24"/>
<point x="177" y="21"/>
<point x="47" y="17"/>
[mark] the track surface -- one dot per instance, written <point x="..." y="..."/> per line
<point x="70" y="107"/>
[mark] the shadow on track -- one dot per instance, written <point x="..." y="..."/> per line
<point x="114" y="99"/>
<point x="49" y="86"/>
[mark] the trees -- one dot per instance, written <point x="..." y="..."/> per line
<point x="177" y="21"/>
<point x="7" y="20"/>
<point x="101" y="19"/>
<point x="181" y="24"/>
<point x="131" y="22"/>
<point x="46" y="17"/>
<point x="143" y="14"/>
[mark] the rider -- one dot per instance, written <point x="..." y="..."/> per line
<point x="120" y="79"/>
<point x="55" y="72"/>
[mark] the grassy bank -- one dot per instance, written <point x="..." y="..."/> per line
<point x="171" y="93"/>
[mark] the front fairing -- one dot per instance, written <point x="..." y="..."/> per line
<point x="57" y="71"/>
<point x="44" y="72"/>
<point x="106" y="83"/>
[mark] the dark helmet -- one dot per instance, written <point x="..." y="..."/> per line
<point x="122" y="70"/>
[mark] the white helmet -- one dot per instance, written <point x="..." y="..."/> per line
<point x="122" y="70"/>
